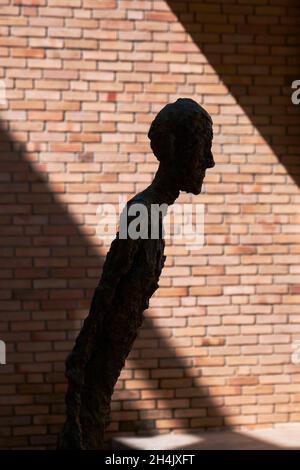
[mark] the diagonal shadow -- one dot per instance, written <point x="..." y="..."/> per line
<point x="170" y="383"/>
<point x="48" y="272"/>
<point x="257" y="57"/>
<point x="49" y="269"/>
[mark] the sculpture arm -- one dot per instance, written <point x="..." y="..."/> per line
<point x="118" y="262"/>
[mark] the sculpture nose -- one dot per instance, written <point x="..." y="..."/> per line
<point x="210" y="160"/>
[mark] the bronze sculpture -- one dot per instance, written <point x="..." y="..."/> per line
<point x="181" y="139"/>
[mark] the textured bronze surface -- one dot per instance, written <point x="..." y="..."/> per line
<point x="181" y="138"/>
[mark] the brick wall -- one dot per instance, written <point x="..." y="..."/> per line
<point x="83" y="81"/>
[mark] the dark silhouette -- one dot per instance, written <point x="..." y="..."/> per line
<point x="181" y="139"/>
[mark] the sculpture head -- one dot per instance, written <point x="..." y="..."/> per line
<point x="181" y="138"/>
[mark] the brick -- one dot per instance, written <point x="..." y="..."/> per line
<point x="30" y="32"/>
<point x="171" y="424"/>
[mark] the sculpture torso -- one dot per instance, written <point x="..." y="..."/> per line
<point x="140" y="281"/>
<point x="115" y="337"/>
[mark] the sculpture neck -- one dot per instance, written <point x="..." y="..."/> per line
<point x="161" y="189"/>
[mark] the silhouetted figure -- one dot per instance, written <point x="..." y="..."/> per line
<point x="181" y="139"/>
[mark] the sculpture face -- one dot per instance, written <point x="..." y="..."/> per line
<point x="199" y="160"/>
<point x="181" y="139"/>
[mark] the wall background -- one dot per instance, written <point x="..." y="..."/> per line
<point x="83" y="82"/>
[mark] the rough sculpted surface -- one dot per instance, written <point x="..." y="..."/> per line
<point x="181" y="138"/>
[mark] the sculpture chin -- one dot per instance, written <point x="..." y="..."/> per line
<point x="194" y="183"/>
<point x="194" y="188"/>
<point x="196" y="191"/>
